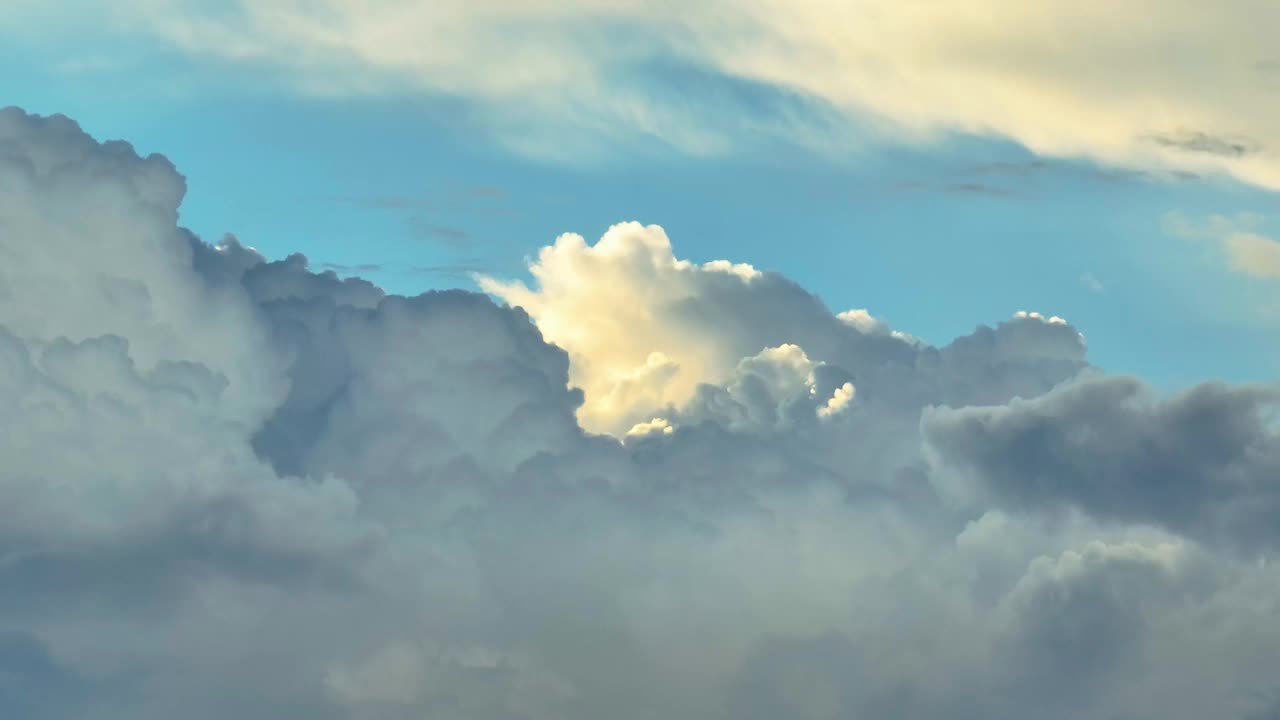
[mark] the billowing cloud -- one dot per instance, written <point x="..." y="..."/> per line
<point x="1151" y="84"/>
<point x="235" y="487"/>
<point x="641" y="326"/>
<point x="93" y="226"/>
<point x="645" y="331"/>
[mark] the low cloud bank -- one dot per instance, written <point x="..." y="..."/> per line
<point x="235" y="487"/>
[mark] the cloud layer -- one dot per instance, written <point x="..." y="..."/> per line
<point x="235" y="487"/>
<point x="1152" y="84"/>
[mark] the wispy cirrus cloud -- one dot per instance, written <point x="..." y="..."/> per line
<point x="450" y="235"/>
<point x="1154" y="85"/>
<point x="353" y="269"/>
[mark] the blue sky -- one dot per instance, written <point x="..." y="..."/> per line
<point x="934" y="236"/>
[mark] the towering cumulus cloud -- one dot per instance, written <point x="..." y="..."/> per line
<point x="641" y="488"/>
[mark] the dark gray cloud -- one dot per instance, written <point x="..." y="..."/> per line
<point x="376" y="202"/>
<point x="1026" y="168"/>
<point x="352" y="269"/>
<point x="34" y="685"/>
<point x="977" y="189"/>
<point x="451" y="196"/>
<point x="1203" y="462"/>
<point x="1019" y="178"/>
<point x="236" y="487"/>
<point x="971" y="188"/>
<point x="462" y="271"/>
<point x="424" y="229"/>
<point x="422" y="213"/>
<point x="1196" y="141"/>
<point x="1034" y="170"/>
<point x="486" y="191"/>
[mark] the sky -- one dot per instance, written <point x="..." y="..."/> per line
<point x="488" y="359"/>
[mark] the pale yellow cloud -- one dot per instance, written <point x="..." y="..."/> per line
<point x="1246" y="250"/>
<point x="645" y="331"/>
<point x="656" y="426"/>
<point x="1253" y="254"/>
<point x="1149" y="83"/>
<point x="1154" y="84"/>
<point x="863" y="321"/>
<point x="615" y="307"/>
<point x="839" y="401"/>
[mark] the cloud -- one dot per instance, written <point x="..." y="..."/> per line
<point x="1247" y="251"/>
<point x="777" y="388"/>
<point x="1198" y="142"/>
<point x="459" y="272"/>
<point x="634" y="352"/>
<point x="1091" y="281"/>
<point x="1147" y="86"/>
<point x="1253" y="254"/>
<point x="33" y="683"/>
<point x="1201" y="462"/>
<point x="656" y="425"/>
<point x="838" y="402"/>
<point x="351" y="269"/>
<point x="445" y="234"/>
<point x="413" y="208"/>
<point x="644" y="329"/>
<point x="236" y="487"/>
<point x="377" y="202"/>
<point x="977" y="189"/>
<point x="974" y="189"/>
<point x="108" y="239"/>
<point x="1088" y="610"/>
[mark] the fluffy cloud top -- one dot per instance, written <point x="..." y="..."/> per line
<point x="234" y="487"/>
<point x="1153" y="84"/>
<point x="642" y="327"/>
<point x="647" y="332"/>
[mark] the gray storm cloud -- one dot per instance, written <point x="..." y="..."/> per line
<point x="235" y="487"/>
<point x="1204" y="462"/>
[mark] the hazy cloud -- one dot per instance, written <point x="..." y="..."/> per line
<point x="424" y="229"/>
<point x="977" y="189"/>
<point x="461" y="272"/>
<point x="352" y="269"/>
<point x="957" y="188"/>
<point x="1254" y="254"/>
<point x="377" y="202"/>
<point x="1145" y="86"/>
<point x="1091" y="281"/>
<point x="1246" y="250"/>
